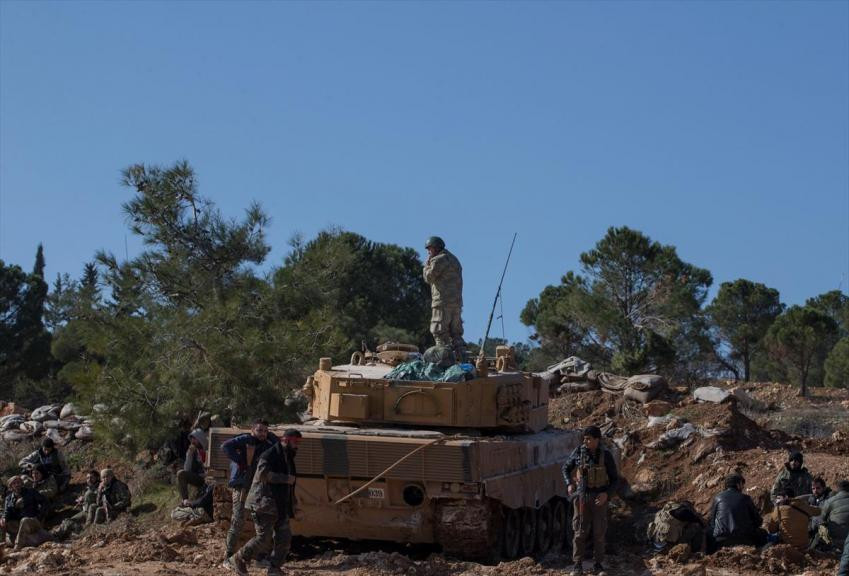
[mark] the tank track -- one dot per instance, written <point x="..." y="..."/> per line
<point x="469" y="528"/>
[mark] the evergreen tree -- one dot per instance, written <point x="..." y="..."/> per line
<point x="636" y="307"/>
<point x="837" y="365"/>
<point x="799" y="341"/>
<point x="742" y="312"/>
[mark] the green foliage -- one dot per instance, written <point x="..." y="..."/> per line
<point x="799" y="340"/>
<point x="340" y="290"/>
<point x="635" y="308"/>
<point x="742" y="312"/>
<point x="835" y="305"/>
<point x="187" y="325"/>
<point x="837" y="365"/>
<point x="24" y="340"/>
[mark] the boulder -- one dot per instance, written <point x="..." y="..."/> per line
<point x="713" y="394"/>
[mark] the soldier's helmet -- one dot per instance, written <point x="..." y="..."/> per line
<point x="435" y="242"/>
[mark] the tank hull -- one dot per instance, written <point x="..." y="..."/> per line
<point x="458" y="489"/>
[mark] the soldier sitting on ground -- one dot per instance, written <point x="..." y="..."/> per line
<point x="85" y="503"/>
<point x="21" y="510"/>
<point x="193" y="471"/>
<point x="677" y="523"/>
<point x="40" y="481"/>
<point x="53" y="461"/>
<point x="790" y="518"/>
<point x="795" y="474"/>
<point x="835" y="516"/>
<point x="197" y="511"/>
<point x="113" y="497"/>
<point x="734" y="519"/>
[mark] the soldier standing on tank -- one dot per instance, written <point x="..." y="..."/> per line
<point x="594" y="484"/>
<point x="445" y="276"/>
<point x="271" y="500"/>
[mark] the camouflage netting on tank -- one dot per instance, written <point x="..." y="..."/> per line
<point x="427" y="371"/>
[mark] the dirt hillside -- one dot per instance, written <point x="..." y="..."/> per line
<point x="751" y="439"/>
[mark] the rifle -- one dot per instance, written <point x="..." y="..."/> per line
<point x="583" y="470"/>
<point x="497" y="296"/>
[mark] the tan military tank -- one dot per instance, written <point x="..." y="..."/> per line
<point x="469" y="465"/>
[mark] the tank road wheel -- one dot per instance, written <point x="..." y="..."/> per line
<point x="544" y="533"/>
<point x="529" y="531"/>
<point x="511" y="533"/>
<point x="559" y="523"/>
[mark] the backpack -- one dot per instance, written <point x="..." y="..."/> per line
<point x="665" y="527"/>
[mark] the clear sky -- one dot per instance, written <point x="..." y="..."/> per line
<point x="719" y="127"/>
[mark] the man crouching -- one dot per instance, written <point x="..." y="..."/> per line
<point x="271" y="500"/>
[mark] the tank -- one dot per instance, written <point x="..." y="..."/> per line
<point x="471" y="466"/>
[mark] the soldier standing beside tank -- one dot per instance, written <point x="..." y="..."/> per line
<point x="272" y="502"/>
<point x="595" y="482"/>
<point x="445" y="276"/>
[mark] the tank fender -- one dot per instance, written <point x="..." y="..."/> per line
<point x="528" y="488"/>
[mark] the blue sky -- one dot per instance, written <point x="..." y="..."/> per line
<point x="721" y="128"/>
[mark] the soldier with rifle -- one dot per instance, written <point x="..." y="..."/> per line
<point x="591" y="477"/>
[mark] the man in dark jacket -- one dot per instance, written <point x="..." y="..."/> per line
<point x="734" y="519"/>
<point x="835" y="515"/>
<point x="244" y="451"/>
<point x="21" y="510"/>
<point x="843" y="569"/>
<point x="793" y="473"/>
<point x="591" y="477"/>
<point x="272" y="502"/>
<point x="52" y="460"/>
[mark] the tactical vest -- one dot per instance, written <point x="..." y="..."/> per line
<point x="597" y="474"/>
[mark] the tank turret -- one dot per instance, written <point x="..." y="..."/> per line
<point x="365" y="393"/>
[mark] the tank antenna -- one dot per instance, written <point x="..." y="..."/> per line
<point x="497" y="296"/>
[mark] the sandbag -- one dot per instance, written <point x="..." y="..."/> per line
<point x="713" y="394"/>
<point x="54" y="435"/>
<point x="571" y="387"/>
<point x="14" y="435"/>
<point x="11" y="422"/>
<point x="644" y="387"/>
<point x="84" y="433"/>
<point x="609" y="382"/>
<point x="67" y="411"/>
<point x="47" y="412"/>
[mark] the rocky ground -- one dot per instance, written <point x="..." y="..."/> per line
<point x="726" y="437"/>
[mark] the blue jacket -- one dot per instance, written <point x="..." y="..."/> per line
<point x="28" y="505"/>
<point x="241" y="473"/>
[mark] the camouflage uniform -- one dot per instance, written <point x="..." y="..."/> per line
<point x="111" y="500"/>
<point x="272" y="501"/>
<point x="445" y="276"/>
